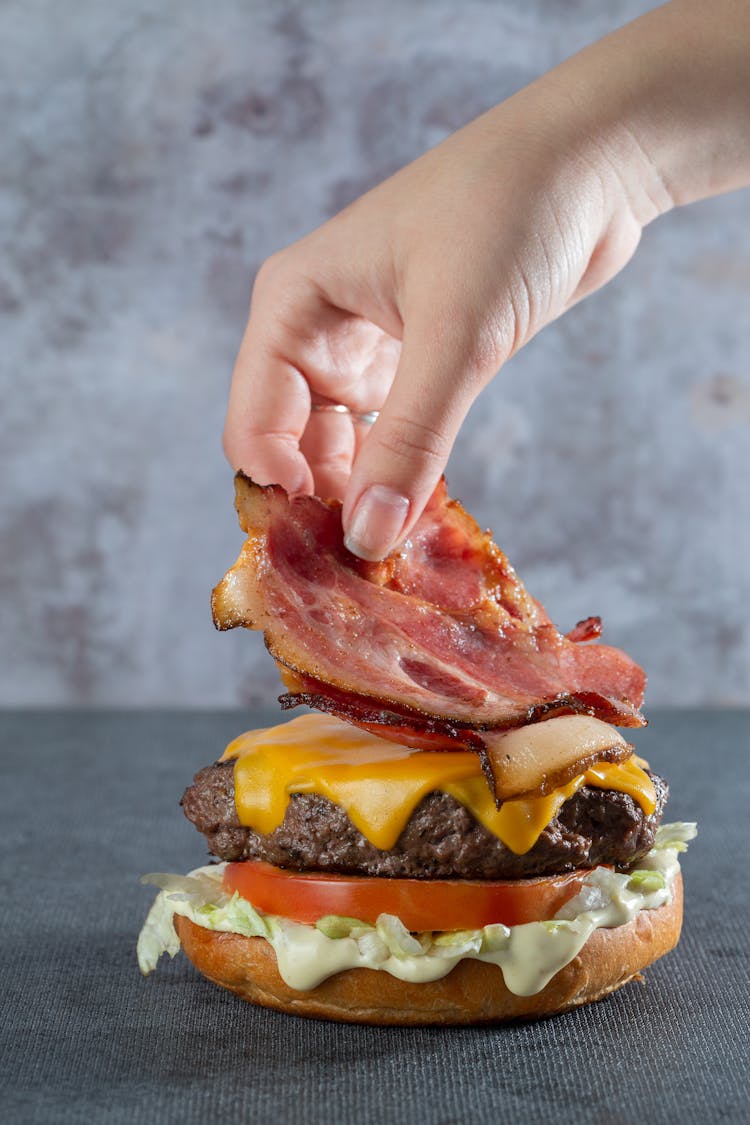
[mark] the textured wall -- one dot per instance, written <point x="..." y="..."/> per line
<point x="152" y="154"/>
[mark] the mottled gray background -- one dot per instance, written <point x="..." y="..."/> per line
<point x="152" y="153"/>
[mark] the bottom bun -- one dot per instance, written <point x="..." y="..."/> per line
<point x="473" y="992"/>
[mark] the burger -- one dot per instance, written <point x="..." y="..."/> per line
<point x="362" y="880"/>
<point x="455" y="831"/>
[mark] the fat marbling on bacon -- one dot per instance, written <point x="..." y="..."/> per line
<point x="440" y="643"/>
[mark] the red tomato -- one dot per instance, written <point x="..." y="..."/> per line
<point x="421" y="904"/>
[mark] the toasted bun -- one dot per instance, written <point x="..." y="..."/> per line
<point x="473" y="992"/>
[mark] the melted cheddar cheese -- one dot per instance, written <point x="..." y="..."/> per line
<point x="379" y="784"/>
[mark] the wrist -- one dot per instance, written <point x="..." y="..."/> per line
<point x="669" y="98"/>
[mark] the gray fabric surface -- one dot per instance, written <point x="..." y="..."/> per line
<point x="90" y="802"/>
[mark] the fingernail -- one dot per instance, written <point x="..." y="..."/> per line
<point x="377" y="522"/>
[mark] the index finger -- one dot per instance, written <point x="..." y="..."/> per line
<point x="269" y="405"/>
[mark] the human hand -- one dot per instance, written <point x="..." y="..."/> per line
<point x="411" y="299"/>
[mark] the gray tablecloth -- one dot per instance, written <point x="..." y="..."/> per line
<point x="90" y="802"/>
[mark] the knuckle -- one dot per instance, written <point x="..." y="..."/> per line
<point x="271" y="274"/>
<point x="284" y="294"/>
<point x="407" y="439"/>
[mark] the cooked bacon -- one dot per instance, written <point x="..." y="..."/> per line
<point x="440" y="638"/>
<point x="407" y="727"/>
<point x="590" y="629"/>
<point x="400" y="724"/>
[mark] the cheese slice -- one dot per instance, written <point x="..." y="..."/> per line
<point x="379" y="783"/>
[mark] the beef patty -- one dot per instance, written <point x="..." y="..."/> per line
<point x="441" y="839"/>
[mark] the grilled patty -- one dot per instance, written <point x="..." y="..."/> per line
<point x="441" y="839"/>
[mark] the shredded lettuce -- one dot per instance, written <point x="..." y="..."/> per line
<point x="372" y="948"/>
<point x="495" y="937"/>
<point x="339" y="926"/>
<point x="158" y="935"/>
<point x="401" y="943"/>
<point x="456" y="942"/>
<point x="200" y="897"/>
<point x="676" y="836"/>
<point x="647" y="881"/>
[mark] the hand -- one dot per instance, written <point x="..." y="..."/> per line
<point x="411" y="299"/>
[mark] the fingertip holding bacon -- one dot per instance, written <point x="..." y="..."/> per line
<point x="438" y="646"/>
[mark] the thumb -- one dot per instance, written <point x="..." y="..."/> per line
<point x="407" y="449"/>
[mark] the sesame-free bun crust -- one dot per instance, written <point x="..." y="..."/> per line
<point x="472" y="993"/>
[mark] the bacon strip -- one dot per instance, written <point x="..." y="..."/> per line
<point x="440" y="638"/>
<point x="399" y="724"/>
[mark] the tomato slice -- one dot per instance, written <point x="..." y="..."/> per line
<point x="421" y="904"/>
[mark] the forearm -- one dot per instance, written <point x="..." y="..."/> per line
<point x="669" y="97"/>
